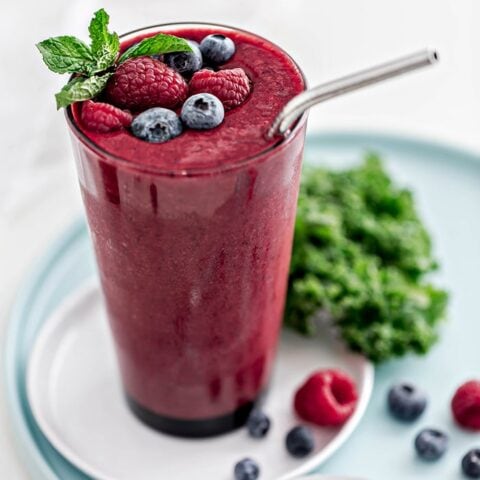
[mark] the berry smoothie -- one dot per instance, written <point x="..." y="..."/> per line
<point x="193" y="240"/>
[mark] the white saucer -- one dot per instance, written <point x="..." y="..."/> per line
<point x="76" y="398"/>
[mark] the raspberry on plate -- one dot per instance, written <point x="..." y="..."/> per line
<point x="103" y="117"/>
<point x="144" y="82"/>
<point x="466" y="405"/>
<point x="231" y="86"/>
<point x="327" y="398"/>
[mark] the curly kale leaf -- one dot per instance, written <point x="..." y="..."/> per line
<point x="362" y="254"/>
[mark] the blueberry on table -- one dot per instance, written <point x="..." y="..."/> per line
<point x="431" y="444"/>
<point x="202" y="111"/>
<point x="300" y="441"/>
<point x="471" y="463"/>
<point x="157" y="125"/>
<point x="246" y="469"/>
<point x="217" y="48"/>
<point x="185" y="63"/>
<point x="258" y="424"/>
<point x="406" y="402"/>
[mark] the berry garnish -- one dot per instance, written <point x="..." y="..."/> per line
<point x="202" y="111"/>
<point x="157" y="125"/>
<point x="92" y="64"/>
<point x="217" y="49"/>
<point x="185" y="63"/>
<point x="246" y="469"/>
<point x="431" y="444"/>
<point x="299" y="441"/>
<point x="103" y="117"/>
<point x="232" y="86"/>
<point x="471" y="463"/>
<point x="144" y="82"/>
<point x="406" y="402"/>
<point x="466" y="405"/>
<point x="258" y="424"/>
<point x="327" y="398"/>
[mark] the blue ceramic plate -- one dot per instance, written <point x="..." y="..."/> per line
<point x="447" y="185"/>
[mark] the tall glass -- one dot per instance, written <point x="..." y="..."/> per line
<point x="193" y="266"/>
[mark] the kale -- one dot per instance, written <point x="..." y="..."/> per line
<point x="362" y="256"/>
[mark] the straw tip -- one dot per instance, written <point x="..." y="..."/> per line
<point x="433" y="55"/>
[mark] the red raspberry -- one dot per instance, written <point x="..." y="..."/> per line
<point x="466" y="405"/>
<point x="103" y="117"/>
<point x="327" y="398"/>
<point x="143" y="82"/>
<point x="232" y="86"/>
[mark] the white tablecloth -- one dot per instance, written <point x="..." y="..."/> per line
<point x="38" y="192"/>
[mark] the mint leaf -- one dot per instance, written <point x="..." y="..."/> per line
<point x="156" y="45"/>
<point x="66" y="54"/>
<point x="105" y="45"/>
<point x="80" y="89"/>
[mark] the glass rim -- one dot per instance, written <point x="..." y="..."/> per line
<point x="189" y="171"/>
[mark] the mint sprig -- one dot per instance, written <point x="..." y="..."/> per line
<point x="104" y="45"/>
<point x="92" y="65"/>
<point x="156" y="45"/>
<point x="81" y="88"/>
<point x="66" y="55"/>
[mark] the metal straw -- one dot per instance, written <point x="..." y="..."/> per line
<point x="297" y="105"/>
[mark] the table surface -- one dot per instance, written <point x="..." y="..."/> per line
<point x="39" y="196"/>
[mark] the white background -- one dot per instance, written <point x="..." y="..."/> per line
<point x="328" y="38"/>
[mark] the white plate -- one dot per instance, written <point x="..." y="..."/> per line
<point x="76" y="397"/>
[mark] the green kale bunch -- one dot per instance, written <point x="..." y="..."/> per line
<point x="361" y="255"/>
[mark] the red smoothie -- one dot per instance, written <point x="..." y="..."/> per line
<point x="193" y="240"/>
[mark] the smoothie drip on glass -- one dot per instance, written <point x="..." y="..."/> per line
<point x="193" y="241"/>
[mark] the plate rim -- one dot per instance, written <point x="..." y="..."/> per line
<point x="26" y="447"/>
<point x="57" y="320"/>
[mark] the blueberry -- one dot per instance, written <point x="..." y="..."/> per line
<point x="246" y="469"/>
<point x="202" y="111"/>
<point x="471" y="463"/>
<point x="300" y="441"/>
<point x="406" y="402"/>
<point x="157" y="125"/>
<point x="185" y="63"/>
<point x="217" y="48"/>
<point x="258" y="424"/>
<point x="431" y="444"/>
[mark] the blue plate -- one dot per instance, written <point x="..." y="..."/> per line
<point x="447" y="185"/>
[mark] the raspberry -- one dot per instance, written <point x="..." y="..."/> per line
<point x="327" y="398"/>
<point x="103" y="117"/>
<point x="232" y="86"/>
<point x="466" y="405"/>
<point x="144" y="82"/>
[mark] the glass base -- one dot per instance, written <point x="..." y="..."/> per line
<point x="193" y="428"/>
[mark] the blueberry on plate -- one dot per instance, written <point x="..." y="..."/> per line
<point x="431" y="444"/>
<point x="406" y="402"/>
<point x="157" y="125"/>
<point x="185" y="63"/>
<point x="300" y="441"/>
<point x="258" y="424"/>
<point x="202" y="111"/>
<point x="246" y="469"/>
<point x="217" y="48"/>
<point x="471" y="463"/>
